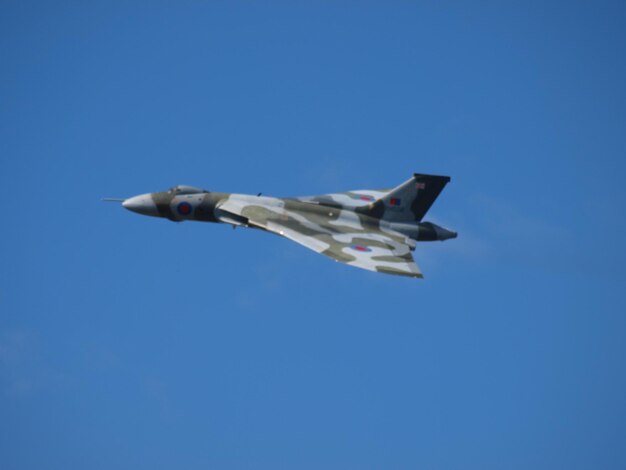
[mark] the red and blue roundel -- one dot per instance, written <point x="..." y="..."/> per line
<point x="360" y="248"/>
<point x="184" y="208"/>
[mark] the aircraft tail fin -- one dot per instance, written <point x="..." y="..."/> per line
<point x="410" y="201"/>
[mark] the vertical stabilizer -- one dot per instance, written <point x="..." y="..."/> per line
<point x="410" y="201"/>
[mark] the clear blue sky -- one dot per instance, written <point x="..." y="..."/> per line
<point x="129" y="342"/>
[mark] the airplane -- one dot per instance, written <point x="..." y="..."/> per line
<point x="370" y="229"/>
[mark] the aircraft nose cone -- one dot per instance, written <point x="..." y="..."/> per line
<point x="142" y="204"/>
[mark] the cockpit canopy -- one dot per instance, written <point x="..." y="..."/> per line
<point x="183" y="189"/>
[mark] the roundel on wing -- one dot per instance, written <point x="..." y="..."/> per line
<point x="360" y="248"/>
<point x="184" y="208"/>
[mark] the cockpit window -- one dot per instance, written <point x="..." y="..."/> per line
<point x="182" y="189"/>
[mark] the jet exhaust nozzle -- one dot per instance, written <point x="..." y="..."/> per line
<point x="427" y="231"/>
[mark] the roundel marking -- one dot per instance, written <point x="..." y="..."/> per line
<point x="184" y="208"/>
<point x="360" y="248"/>
<point x="366" y="198"/>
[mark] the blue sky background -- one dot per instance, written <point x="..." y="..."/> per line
<point x="131" y="342"/>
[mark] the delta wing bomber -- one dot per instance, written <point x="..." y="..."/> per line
<point x="370" y="229"/>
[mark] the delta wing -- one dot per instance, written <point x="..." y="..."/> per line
<point x="342" y="235"/>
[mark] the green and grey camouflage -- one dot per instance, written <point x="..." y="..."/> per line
<point x="369" y="229"/>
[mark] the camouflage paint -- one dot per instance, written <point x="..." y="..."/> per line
<point x="369" y="229"/>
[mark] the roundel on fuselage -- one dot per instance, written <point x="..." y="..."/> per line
<point x="184" y="208"/>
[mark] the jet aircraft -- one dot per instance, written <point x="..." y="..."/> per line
<point x="370" y="229"/>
